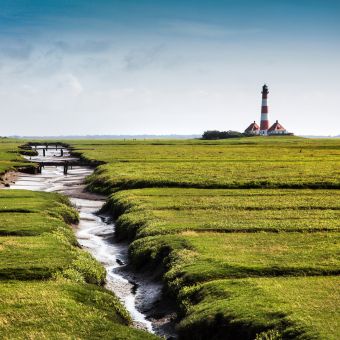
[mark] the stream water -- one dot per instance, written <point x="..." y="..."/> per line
<point x="95" y="233"/>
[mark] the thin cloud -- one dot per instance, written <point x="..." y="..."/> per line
<point x="70" y="83"/>
<point x="205" y="30"/>
<point x="18" y="52"/>
<point x="84" y="47"/>
<point x="140" y="58"/>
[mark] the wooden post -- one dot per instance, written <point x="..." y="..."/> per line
<point x="40" y="166"/>
<point x="65" y="167"/>
<point x="61" y="152"/>
<point x="44" y="152"/>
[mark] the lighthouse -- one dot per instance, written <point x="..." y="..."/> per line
<point x="264" y="125"/>
<point x="264" y="130"/>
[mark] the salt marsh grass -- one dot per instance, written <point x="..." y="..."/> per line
<point x="49" y="286"/>
<point x="246" y="231"/>
<point x="287" y="162"/>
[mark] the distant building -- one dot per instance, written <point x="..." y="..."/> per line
<point x="277" y="129"/>
<point x="264" y="129"/>
<point x="252" y="129"/>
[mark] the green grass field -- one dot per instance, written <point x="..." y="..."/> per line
<point x="49" y="287"/>
<point x="249" y="162"/>
<point x="59" y="309"/>
<point x="298" y="307"/>
<point x="246" y="230"/>
<point x="199" y="257"/>
<point x="10" y="158"/>
<point x="204" y="236"/>
<point x="169" y="210"/>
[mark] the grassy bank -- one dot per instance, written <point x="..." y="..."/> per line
<point x="269" y="308"/>
<point x="10" y="158"/>
<point x="48" y="285"/>
<point x="217" y="246"/>
<point x="168" y="210"/>
<point x="287" y="162"/>
<point x="62" y="309"/>
<point x="256" y="260"/>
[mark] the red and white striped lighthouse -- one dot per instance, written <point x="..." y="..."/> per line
<point x="264" y="125"/>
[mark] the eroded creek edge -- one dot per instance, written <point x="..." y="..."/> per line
<point x="141" y="293"/>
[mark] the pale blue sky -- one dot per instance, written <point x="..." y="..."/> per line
<point x="160" y="67"/>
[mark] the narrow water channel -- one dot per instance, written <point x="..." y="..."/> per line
<point x="95" y="233"/>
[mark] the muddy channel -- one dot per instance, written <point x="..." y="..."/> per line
<point x="140" y="294"/>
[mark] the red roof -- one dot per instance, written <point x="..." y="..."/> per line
<point x="276" y="127"/>
<point x="252" y="128"/>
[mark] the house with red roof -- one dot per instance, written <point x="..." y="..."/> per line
<point x="277" y="129"/>
<point x="252" y="129"/>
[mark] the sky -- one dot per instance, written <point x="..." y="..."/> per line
<point x="81" y="67"/>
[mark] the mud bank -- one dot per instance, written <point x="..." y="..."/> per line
<point x="8" y="179"/>
<point x="140" y="293"/>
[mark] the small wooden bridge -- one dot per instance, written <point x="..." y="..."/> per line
<point x="47" y="146"/>
<point x="57" y="160"/>
<point x="66" y="164"/>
